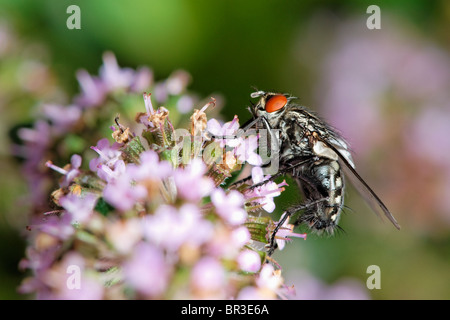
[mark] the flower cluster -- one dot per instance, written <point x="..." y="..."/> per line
<point x="61" y="130"/>
<point x="152" y="216"/>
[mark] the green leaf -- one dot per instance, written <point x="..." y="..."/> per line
<point x="103" y="207"/>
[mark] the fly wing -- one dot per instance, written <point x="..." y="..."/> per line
<point x="346" y="162"/>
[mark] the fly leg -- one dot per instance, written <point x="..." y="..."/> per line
<point x="294" y="209"/>
<point x="290" y="168"/>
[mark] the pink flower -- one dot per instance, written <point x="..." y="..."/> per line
<point x="38" y="261"/>
<point x="229" y="206"/>
<point x="227" y="244"/>
<point x="150" y="167"/>
<point x="79" y="207"/>
<point x="185" y="104"/>
<point x="249" y="261"/>
<point x="113" y="77"/>
<point x="177" y="82"/>
<point x="251" y="293"/>
<point x="90" y="289"/>
<point x="62" y="117"/>
<point x="245" y="151"/>
<point x="225" y="134"/>
<point x="66" y="280"/>
<point x="268" y="278"/>
<point x="93" y="91"/>
<point x="208" y="275"/>
<point x="70" y="281"/>
<point x="110" y="173"/>
<point x="244" y="148"/>
<point x="148" y="103"/>
<point x="39" y="136"/>
<point x="192" y="184"/>
<point x="148" y="271"/>
<point x="142" y="80"/>
<point x="170" y="228"/>
<point x="124" y="234"/>
<point x="268" y="284"/>
<point x="174" y="85"/>
<point x="75" y="162"/>
<point x="240" y="236"/>
<point x="108" y="154"/>
<point x="264" y="194"/>
<point x="122" y="193"/>
<point x="59" y="227"/>
<point x="69" y="175"/>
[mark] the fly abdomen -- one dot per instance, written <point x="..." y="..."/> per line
<point x="323" y="180"/>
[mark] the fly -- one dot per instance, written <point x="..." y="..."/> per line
<point x="314" y="155"/>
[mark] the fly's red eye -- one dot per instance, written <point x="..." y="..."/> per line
<point x="276" y="103"/>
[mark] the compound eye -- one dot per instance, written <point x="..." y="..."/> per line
<point x="275" y="103"/>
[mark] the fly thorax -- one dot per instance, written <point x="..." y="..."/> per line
<point x="294" y="142"/>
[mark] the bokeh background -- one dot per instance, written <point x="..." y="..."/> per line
<point x="386" y="90"/>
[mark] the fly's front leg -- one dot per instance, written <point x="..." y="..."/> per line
<point x="290" y="169"/>
<point x="294" y="209"/>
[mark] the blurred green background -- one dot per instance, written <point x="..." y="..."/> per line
<point x="385" y="89"/>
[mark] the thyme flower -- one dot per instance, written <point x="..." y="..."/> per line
<point x="149" y="217"/>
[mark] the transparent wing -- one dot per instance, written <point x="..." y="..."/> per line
<point x="346" y="162"/>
